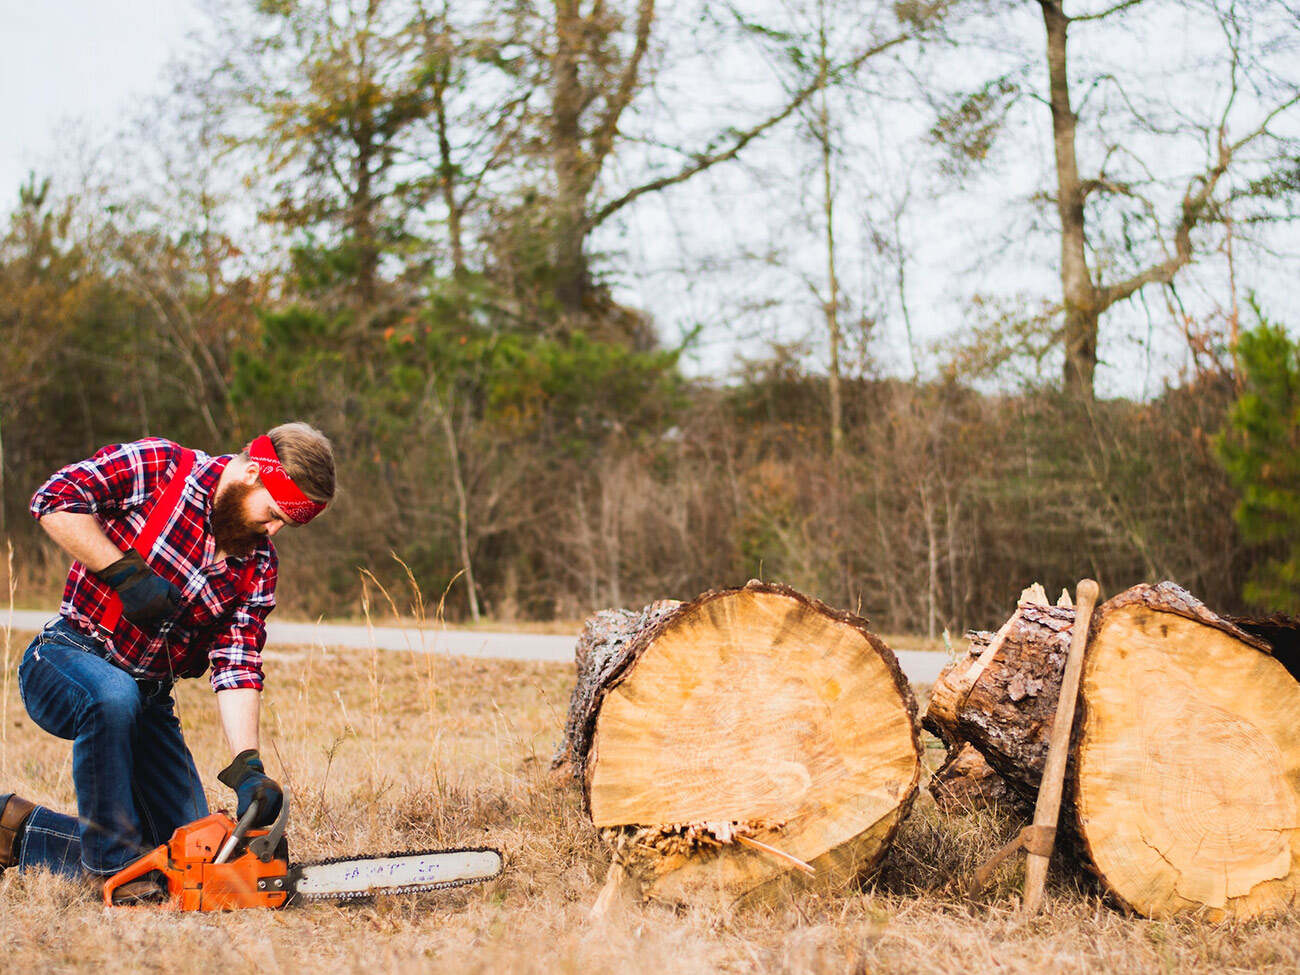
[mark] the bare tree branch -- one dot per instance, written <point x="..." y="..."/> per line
<point x="602" y="139"/>
<point x="1103" y="185"/>
<point x="705" y="160"/>
<point x="1199" y="190"/>
<point x="1108" y="12"/>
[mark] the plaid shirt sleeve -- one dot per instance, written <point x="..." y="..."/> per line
<point x="119" y="477"/>
<point x="236" y="653"/>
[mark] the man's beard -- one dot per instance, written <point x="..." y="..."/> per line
<point x="233" y="532"/>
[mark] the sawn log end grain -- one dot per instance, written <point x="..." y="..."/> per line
<point x="1187" y="785"/>
<point x="755" y="712"/>
<point x="1183" y="787"/>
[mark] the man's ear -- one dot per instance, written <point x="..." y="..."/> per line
<point x="250" y="473"/>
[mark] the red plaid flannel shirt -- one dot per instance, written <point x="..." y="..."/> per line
<point x="217" y="624"/>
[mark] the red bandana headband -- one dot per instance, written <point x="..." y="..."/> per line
<point x="300" y="508"/>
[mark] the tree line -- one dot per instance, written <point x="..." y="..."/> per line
<point x="400" y="221"/>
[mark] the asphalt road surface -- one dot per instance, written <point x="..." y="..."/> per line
<point x="920" y="667"/>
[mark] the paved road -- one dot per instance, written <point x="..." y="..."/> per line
<point x="920" y="667"/>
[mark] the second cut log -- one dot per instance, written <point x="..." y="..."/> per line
<point x="1183" y="789"/>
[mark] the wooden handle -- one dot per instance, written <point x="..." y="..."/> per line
<point x="1048" y="807"/>
<point x="779" y="855"/>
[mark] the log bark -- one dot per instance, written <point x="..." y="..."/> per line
<point x="601" y="653"/>
<point x="1000" y="701"/>
<point x="1008" y="712"/>
<point x="724" y="743"/>
<point x="966" y="782"/>
<point x="1185" y="769"/>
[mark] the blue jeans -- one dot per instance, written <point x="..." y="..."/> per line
<point x="134" y="776"/>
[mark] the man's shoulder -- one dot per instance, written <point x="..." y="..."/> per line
<point x="141" y="467"/>
<point x="155" y="453"/>
<point x="147" y="451"/>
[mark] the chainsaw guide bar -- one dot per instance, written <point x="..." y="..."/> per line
<point x="407" y="872"/>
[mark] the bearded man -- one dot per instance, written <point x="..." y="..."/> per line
<point x="174" y="571"/>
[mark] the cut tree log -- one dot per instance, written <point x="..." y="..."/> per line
<point x="1187" y="761"/>
<point x="728" y="744"/>
<point x="1183" y="792"/>
<point x="1000" y="700"/>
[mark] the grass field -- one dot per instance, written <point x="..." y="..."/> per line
<point x="385" y="751"/>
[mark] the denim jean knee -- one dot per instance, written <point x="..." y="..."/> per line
<point x="134" y="776"/>
<point x="65" y="683"/>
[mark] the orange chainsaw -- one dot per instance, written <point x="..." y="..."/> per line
<point x="216" y="864"/>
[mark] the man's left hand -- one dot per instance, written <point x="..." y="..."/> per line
<point x="247" y="776"/>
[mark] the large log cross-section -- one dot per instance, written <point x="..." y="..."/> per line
<point x="751" y="737"/>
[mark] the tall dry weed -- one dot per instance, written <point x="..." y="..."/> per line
<point x="8" y="670"/>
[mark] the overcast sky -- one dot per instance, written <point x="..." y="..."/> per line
<point x="73" y="72"/>
<point x="77" y="62"/>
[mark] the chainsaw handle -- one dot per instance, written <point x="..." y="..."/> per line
<point x="241" y="830"/>
<point x="264" y="846"/>
<point x="155" y="860"/>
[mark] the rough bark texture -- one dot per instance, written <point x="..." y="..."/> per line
<point x="1007" y="715"/>
<point x="1169" y="597"/>
<point x="718" y="739"/>
<point x="1183" y="789"/>
<point x="967" y="782"/>
<point x="1000" y="699"/>
<point x="602" y="651"/>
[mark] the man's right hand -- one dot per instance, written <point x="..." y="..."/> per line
<point x="147" y="598"/>
<point x="248" y="778"/>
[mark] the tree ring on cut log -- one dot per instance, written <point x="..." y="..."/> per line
<point x="752" y="707"/>
<point x="1187" y="783"/>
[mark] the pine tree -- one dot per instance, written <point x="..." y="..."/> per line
<point x="1260" y="449"/>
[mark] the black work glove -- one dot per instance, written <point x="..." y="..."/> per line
<point x="249" y="780"/>
<point x="147" y="598"/>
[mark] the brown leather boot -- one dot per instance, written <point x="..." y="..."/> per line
<point x="14" y="811"/>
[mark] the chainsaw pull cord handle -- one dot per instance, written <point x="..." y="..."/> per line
<point x="241" y="830"/>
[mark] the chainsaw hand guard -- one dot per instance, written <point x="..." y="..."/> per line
<point x="156" y="860"/>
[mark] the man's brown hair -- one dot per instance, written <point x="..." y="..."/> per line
<point x="307" y="457"/>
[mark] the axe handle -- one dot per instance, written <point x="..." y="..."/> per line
<point x="1048" y="807"/>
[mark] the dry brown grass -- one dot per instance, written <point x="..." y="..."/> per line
<point x="387" y="751"/>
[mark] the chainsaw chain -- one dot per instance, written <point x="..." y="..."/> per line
<point x="406" y="888"/>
